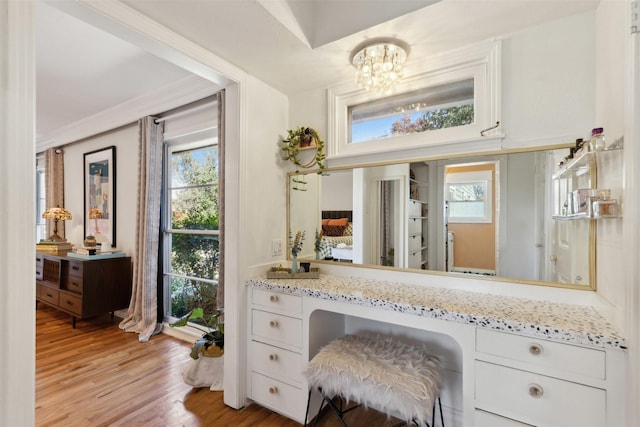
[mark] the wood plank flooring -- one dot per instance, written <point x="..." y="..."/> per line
<point x="97" y="375"/>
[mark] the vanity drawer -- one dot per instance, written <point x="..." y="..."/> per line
<point x="487" y="419"/>
<point x="538" y="399"/>
<point x="71" y="303"/>
<point x="275" y="328"/>
<point x="45" y="293"/>
<point x="535" y="352"/>
<point x="277" y="301"/>
<point x="281" y="397"/>
<point x="276" y="362"/>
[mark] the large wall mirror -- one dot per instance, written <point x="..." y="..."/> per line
<point x="489" y="215"/>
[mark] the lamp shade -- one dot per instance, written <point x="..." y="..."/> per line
<point x="95" y="213"/>
<point x="57" y="214"/>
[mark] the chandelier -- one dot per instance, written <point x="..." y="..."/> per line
<point x="379" y="64"/>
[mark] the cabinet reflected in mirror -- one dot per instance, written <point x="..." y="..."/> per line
<point x="486" y="215"/>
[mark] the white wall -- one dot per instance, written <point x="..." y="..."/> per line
<point x="337" y="191"/>
<point x="610" y="104"/>
<point x="125" y="140"/>
<point x="548" y="97"/>
<point x="548" y="76"/>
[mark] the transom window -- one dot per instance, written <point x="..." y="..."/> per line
<point x="451" y="98"/>
<point x="438" y="107"/>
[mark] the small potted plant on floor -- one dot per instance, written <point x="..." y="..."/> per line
<point x="211" y="344"/>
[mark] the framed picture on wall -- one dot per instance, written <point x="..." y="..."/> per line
<point x="100" y="195"/>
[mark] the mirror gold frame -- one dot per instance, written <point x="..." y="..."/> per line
<point x="592" y="223"/>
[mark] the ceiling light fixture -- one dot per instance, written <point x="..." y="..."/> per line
<point x="379" y="64"/>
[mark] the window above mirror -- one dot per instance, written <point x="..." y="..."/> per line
<point x="452" y="98"/>
<point x="432" y="108"/>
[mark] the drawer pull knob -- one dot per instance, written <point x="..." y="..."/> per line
<point x="273" y="390"/>
<point x="535" y="349"/>
<point x="273" y="323"/>
<point x="75" y="267"/>
<point x="273" y="357"/>
<point x="273" y="298"/>
<point x="535" y="390"/>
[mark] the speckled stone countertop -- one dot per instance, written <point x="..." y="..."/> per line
<point x="569" y="323"/>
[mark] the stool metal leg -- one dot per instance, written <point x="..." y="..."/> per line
<point x="306" y="414"/>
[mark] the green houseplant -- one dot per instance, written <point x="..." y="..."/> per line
<point x="300" y="139"/>
<point x="212" y="341"/>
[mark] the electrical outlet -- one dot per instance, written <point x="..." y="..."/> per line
<point x="276" y="247"/>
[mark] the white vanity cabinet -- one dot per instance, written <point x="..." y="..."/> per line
<point x="528" y="381"/>
<point x="274" y="356"/>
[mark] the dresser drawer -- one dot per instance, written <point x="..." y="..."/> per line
<point x="39" y="266"/>
<point x="276" y="362"/>
<point x="75" y="268"/>
<point x="415" y="225"/>
<point x="73" y="284"/>
<point x="414" y="208"/>
<point x="281" y="397"/>
<point x="537" y="399"/>
<point x="275" y="328"/>
<point x="535" y="352"/>
<point x="415" y="242"/>
<point x="45" y="293"/>
<point x="277" y="301"/>
<point x="71" y="303"/>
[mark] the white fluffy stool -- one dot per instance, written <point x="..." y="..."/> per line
<point x="392" y="377"/>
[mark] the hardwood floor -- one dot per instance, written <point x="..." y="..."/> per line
<point x="97" y="375"/>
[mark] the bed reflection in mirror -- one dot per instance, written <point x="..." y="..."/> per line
<point x="482" y="215"/>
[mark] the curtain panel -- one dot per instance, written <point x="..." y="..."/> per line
<point x="141" y="316"/>
<point x="54" y="179"/>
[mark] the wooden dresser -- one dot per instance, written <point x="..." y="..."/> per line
<point x="83" y="288"/>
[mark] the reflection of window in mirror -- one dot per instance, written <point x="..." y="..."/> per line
<point x="431" y="108"/>
<point x="469" y="195"/>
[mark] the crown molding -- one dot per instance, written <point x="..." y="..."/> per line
<point x="165" y="98"/>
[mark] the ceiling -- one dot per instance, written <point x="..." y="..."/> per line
<point x="293" y="45"/>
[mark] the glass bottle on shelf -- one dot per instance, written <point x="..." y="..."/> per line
<point x="596" y="143"/>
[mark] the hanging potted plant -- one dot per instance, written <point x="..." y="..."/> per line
<point x="303" y="139"/>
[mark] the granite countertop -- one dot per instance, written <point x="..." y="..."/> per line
<point x="570" y="323"/>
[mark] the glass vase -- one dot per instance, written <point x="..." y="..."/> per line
<point x="294" y="264"/>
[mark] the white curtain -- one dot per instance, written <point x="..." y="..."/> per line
<point x="142" y="313"/>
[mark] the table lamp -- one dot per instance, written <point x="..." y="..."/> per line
<point x="96" y="214"/>
<point x="91" y="240"/>
<point x="56" y="214"/>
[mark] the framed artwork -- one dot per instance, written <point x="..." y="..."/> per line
<point x="100" y="195"/>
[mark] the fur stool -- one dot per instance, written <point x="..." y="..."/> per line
<point x="395" y="378"/>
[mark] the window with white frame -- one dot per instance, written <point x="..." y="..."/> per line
<point x="191" y="213"/>
<point x="41" y="186"/>
<point x="424" y="110"/>
<point x="469" y="196"/>
<point x="452" y="98"/>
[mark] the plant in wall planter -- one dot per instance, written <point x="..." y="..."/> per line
<point x="211" y="344"/>
<point x="301" y="140"/>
